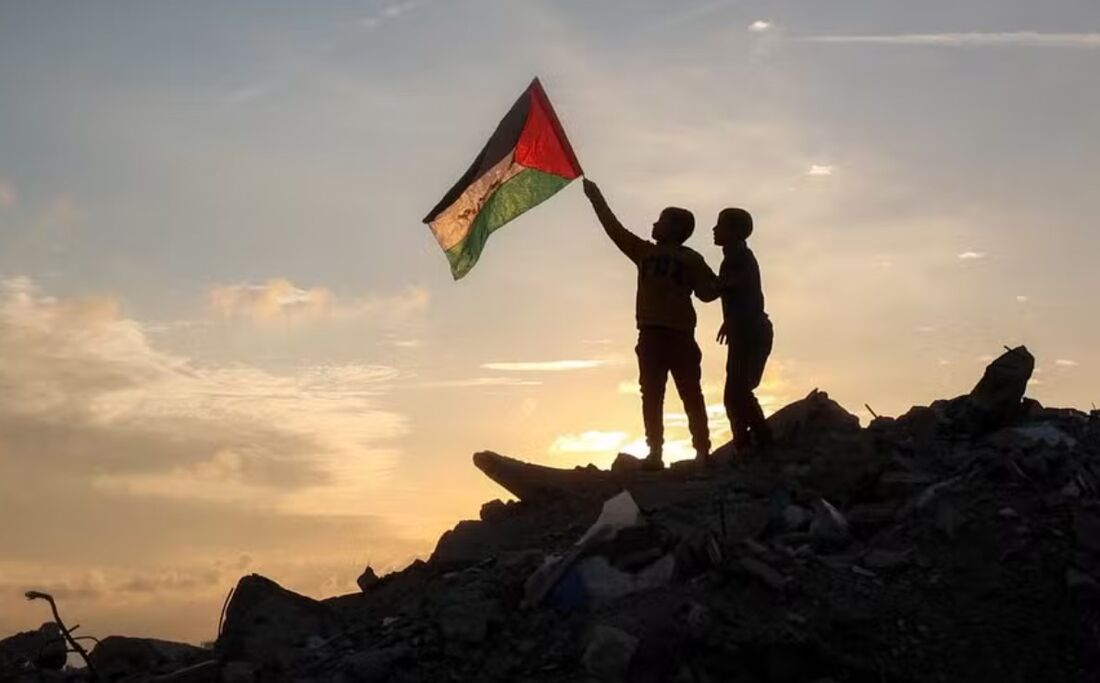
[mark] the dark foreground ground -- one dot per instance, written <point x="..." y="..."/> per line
<point x="959" y="542"/>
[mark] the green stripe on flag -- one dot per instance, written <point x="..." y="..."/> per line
<point x="526" y="190"/>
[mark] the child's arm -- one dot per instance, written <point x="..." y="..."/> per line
<point x="704" y="282"/>
<point x="627" y="242"/>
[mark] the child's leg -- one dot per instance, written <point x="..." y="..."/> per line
<point x="652" y="377"/>
<point x="687" y="372"/>
<point x="761" y="349"/>
<point x="737" y="394"/>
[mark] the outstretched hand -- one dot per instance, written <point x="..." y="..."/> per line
<point x="591" y="189"/>
<point x="721" y="338"/>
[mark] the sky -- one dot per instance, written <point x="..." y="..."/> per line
<point x="228" y="344"/>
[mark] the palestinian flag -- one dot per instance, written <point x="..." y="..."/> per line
<point x="526" y="161"/>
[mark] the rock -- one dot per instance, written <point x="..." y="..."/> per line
<point x="238" y="672"/>
<point x="203" y="672"/>
<point x="698" y="621"/>
<point x="367" y="579"/>
<point x="265" y="622"/>
<point x="494" y="510"/>
<point x="469" y="622"/>
<point x="43" y="648"/>
<point x="829" y="527"/>
<point x="118" y="657"/>
<point x="626" y="463"/>
<point x="795" y="517"/>
<point x="608" y="654"/>
<point x="1078" y="581"/>
<point x="1086" y="530"/>
<point x="885" y="560"/>
<point x="764" y="572"/>
<point x="948" y="519"/>
<point x="998" y="394"/>
<point x="1046" y="434"/>
<point x="468" y="542"/>
<point x="814" y="415"/>
<point x="376" y="666"/>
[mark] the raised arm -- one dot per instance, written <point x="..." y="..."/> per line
<point x="627" y="242"/>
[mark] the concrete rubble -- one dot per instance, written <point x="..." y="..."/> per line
<point x="957" y="542"/>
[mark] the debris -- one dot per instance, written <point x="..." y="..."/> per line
<point x="367" y="579"/>
<point x="1079" y="581"/>
<point x="886" y="560"/>
<point x="1086" y="530"/>
<point x="43" y="648"/>
<point x="608" y="654"/>
<point x="626" y="463"/>
<point x="764" y="572"/>
<point x="829" y="526"/>
<point x="815" y="415"/>
<point x="266" y="622"/>
<point x="998" y="395"/>
<point x="118" y="657"/>
<point x="1045" y="433"/>
<point x="377" y="666"/>
<point x="948" y="519"/>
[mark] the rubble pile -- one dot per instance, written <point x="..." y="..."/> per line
<point x="957" y="542"/>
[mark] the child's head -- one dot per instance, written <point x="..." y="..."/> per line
<point x="734" y="225"/>
<point x="674" y="226"/>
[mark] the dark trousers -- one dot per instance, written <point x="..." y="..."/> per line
<point x="749" y="348"/>
<point x="662" y="351"/>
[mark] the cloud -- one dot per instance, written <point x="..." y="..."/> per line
<point x="1022" y="299"/>
<point x="544" y="366"/>
<point x="1066" y="363"/>
<point x="481" y="382"/>
<point x="971" y="255"/>
<point x="760" y="26"/>
<point x="591" y="441"/>
<point x="974" y="39"/>
<point x="389" y="12"/>
<point x="628" y="387"/>
<point x="279" y="299"/>
<point x="89" y="400"/>
<point x="7" y="195"/>
<point x="820" y="170"/>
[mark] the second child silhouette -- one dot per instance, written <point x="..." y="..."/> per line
<point x="668" y="274"/>
<point x="745" y="326"/>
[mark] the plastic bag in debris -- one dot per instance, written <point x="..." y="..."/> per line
<point x="618" y="513"/>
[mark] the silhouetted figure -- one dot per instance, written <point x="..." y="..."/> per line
<point x="745" y="327"/>
<point x="668" y="274"/>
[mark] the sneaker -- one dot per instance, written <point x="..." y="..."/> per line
<point x="653" y="463"/>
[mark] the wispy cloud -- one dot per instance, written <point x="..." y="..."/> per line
<point x="389" y="12"/>
<point x="544" y="366"/>
<point x="279" y="299"/>
<point x="1066" y="363"/>
<point x="1022" y="298"/>
<point x="474" y="382"/>
<point x="971" y="255"/>
<point x="971" y="39"/>
<point x="592" y="441"/>
<point x="7" y="195"/>
<point x="760" y="26"/>
<point x="820" y="170"/>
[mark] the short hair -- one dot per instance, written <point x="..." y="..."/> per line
<point x="682" y="219"/>
<point x="737" y="219"/>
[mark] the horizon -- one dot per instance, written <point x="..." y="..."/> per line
<point x="231" y="346"/>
